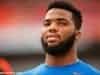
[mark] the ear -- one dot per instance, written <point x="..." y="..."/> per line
<point x="78" y="34"/>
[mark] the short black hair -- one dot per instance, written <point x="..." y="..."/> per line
<point x="76" y="14"/>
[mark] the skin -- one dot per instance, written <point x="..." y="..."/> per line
<point x="58" y="25"/>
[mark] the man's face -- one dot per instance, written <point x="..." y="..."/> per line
<point x="58" y="30"/>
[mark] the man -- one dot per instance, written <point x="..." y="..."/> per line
<point x="60" y="32"/>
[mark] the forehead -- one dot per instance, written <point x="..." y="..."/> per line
<point x="58" y="13"/>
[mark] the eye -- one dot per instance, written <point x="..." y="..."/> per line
<point x="62" y="23"/>
<point x="46" y="23"/>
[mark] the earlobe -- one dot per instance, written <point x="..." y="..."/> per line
<point x="78" y="35"/>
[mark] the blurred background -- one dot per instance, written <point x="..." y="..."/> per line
<point x="20" y="27"/>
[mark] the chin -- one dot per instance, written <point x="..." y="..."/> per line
<point x="53" y="44"/>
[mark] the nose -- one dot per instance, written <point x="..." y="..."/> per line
<point x="53" y="27"/>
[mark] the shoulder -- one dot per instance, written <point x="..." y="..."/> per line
<point x="89" y="68"/>
<point x="33" y="71"/>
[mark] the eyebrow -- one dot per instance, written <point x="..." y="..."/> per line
<point x="61" y="19"/>
<point x="58" y="19"/>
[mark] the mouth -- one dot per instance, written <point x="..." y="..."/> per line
<point x="52" y="39"/>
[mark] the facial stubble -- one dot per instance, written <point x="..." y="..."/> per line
<point x="60" y="49"/>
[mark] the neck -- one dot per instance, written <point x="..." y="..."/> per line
<point x="69" y="58"/>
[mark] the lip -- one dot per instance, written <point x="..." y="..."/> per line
<point x="52" y="36"/>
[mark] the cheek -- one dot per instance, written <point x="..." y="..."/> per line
<point x="65" y="33"/>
